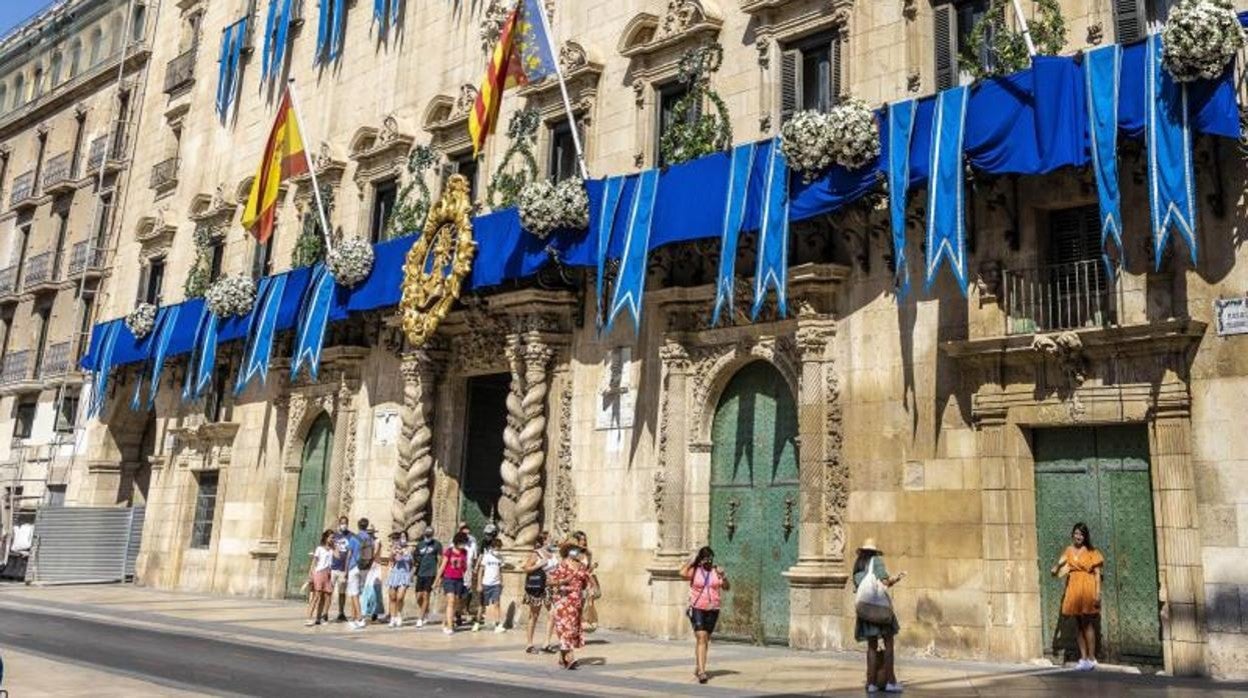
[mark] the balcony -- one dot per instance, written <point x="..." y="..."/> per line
<point x="58" y="177"/>
<point x="8" y="284"/>
<point x="40" y="273"/>
<point x="165" y="175"/>
<point x="55" y="361"/>
<point x="108" y="152"/>
<point x="85" y="258"/>
<point x="23" y="190"/>
<point x="180" y="72"/>
<point x="16" y="369"/>
<point x="1059" y="297"/>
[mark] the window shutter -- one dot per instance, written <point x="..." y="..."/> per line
<point x="141" y="292"/>
<point x="790" y="83"/>
<point x="945" y="41"/>
<point x="1074" y="235"/>
<point x="836" y="68"/>
<point x="1129" y="20"/>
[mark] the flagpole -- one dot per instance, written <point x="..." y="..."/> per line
<point x="1022" y="23"/>
<point x="563" y="89"/>
<point x="316" y="187"/>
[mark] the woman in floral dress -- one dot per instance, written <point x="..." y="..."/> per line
<point x="568" y="582"/>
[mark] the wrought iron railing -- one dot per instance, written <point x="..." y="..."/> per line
<point x="23" y="188"/>
<point x="180" y="71"/>
<point x="95" y="156"/>
<point x="16" y="367"/>
<point x="58" y="170"/>
<point x="38" y="270"/>
<point x="8" y="280"/>
<point x="55" y="360"/>
<point x="1059" y="297"/>
<point x="85" y="256"/>
<point x="165" y="174"/>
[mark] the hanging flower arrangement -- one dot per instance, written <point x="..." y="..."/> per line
<point x="351" y="261"/>
<point x="1200" y="38"/>
<point x="546" y="207"/>
<point x="848" y="135"/>
<point x="141" y="320"/>
<point x="230" y="296"/>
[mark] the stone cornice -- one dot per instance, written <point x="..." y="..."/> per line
<point x="1162" y="337"/>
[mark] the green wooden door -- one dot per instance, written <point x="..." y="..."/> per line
<point x="482" y="482"/>
<point x="754" y="502"/>
<point x="310" y="502"/>
<point x="1100" y="476"/>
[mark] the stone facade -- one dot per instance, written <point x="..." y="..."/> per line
<point x="915" y="418"/>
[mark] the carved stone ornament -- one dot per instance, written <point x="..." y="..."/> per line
<point x="572" y="57"/>
<point x="438" y="264"/>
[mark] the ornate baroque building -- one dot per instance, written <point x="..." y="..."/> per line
<point x="963" y="433"/>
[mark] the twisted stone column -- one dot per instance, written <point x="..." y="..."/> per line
<point x="524" y="442"/>
<point x="413" y="486"/>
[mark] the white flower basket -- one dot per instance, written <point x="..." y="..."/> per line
<point x="351" y="261"/>
<point x="1200" y="38"/>
<point x="848" y="136"/>
<point x="855" y="134"/>
<point x="231" y="296"/>
<point x="141" y="320"/>
<point x="806" y="140"/>
<point x="540" y="210"/>
<point x="573" y="204"/>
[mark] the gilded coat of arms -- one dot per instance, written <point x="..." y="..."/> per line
<point x="438" y="264"/>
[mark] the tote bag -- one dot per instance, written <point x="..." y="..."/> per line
<point x="871" y="602"/>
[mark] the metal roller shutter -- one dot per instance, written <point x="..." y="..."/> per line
<point x="85" y="544"/>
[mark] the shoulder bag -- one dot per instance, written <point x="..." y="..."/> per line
<point x="871" y="601"/>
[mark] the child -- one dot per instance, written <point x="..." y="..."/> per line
<point x="321" y="588"/>
<point x="490" y="572"/>
<point x="400" y="576"/>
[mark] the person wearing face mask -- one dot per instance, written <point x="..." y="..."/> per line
<point x="452" y="572"/>
<point x="338" y="568"/>
<point x="428" y="555"/>
<point x="535" y="567"/>
<point x="568" y="581"/>
<point x="706" y="581"/>
<point x="400" y="577"/>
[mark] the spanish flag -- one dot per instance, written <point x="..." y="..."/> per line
<point x="482" y="120"/>
<point x="284" y="157"/>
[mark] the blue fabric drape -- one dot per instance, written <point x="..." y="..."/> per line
<point x="734" y="217"/>
<point x="103" y="367"/>
<point x="203" y="356"/>
<point x="772" y="267"/>
<point x="231" y="54"/>
<point x="1102" y="68"/>
<point x="386" y="14"/>
<point x="900" y="128"/>
<point x="631" y="284"/>
<point x="276" y="37"/>
<point x="607" y="207"/>
<point x="1171" y="180"/>
<point x="946" y="232"/>
<point x="313" y="319"/>
<point x="158" y="350"/>
<point x="261" y="330"/>
<point x="330" y="30"/>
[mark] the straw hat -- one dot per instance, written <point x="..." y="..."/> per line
<point x="869" y="545"/>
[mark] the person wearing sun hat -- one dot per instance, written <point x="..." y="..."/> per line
<point x="881" y="674"/>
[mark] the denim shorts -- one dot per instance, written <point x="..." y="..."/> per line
<point x="453" y="586"/>
<point x="492" y="594"/>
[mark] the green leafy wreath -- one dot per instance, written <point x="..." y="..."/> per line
<point x="509" y="180"/>
<point x="310" y="245"/>
<point x="995" y="48"/>
<point x="200" y="275"/>
<point x="694" y="131"/>
<point x="414" y="198"/>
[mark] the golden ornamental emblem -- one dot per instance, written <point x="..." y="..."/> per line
<point x="438" y="264"/>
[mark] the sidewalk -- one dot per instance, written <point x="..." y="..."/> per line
<point x="614" y="663"/>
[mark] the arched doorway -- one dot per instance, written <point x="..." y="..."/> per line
<point x="310" y="502"/>
<point x="754" y="501"/>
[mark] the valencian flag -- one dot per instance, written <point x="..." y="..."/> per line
<point x="523" y="55"/>
<point x="284" y="157"/>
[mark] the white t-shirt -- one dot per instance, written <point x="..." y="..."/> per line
<point x="322" y="558"/>
<point x="491" y="569"/>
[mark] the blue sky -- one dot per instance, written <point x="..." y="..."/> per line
<point x="14" y="11"/>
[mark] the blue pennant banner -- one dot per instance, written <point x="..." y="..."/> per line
<point x="103" y="366"/>
<point x="276" y="35"/>
<point x="228" y="64"/>
<point x="386" y="13"/>
<point x="946" y="224"/>
<point x="1102" y="67"/>
<point x="734" y="217"/>
<point x="313" y="319"/>
<point x="772" y="268"/>
<point x="260" y="332"/>
<point x="330" y="30"/>
<point x="632" y="279"/>
<point x="900" y="130"/>
<point x="157" y="350"/>
<point x="612" y="187"/>
<point x="1171" y="180"/>
<point x="203" y="357"/>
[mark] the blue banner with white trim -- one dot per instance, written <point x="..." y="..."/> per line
<point x="203" y="356"/>
<point x="313" y="319"/>
<point x="631" y="283"/>
<point x="1101" y="70"/>
<point x="261" y="329"/>
<point x="772" y="267"/>
<point x="232" y="40"/>
<point x="739" y="169"/>
<point x="386" y="14"/>
<point x="1168" y="142"/>
<point x="612" y="188"/>
<point x="330" y="31"/>
<point x="946" y="223"/>
<point x="157" y="351"/>
<point x="103" y="366"/>
<point x="900" y="130"/>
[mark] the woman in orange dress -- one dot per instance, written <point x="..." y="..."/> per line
<point x="1081" y="564"/>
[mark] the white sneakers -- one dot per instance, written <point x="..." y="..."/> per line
<point x="309" y="623"/>
<point x="396" y="621"/>
<point x="447" y="631"/>
<point x="476" y="625"/>
<point x="500" y="628"/>
<point x="1085" y="665"/>
<point x="359" y="624"/>
<point x="420" y="622"/>
<point x="892" y="688"/>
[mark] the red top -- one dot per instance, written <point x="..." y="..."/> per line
<point x="456" y="563"/>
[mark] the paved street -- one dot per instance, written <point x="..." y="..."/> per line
<point x="125" y="641"/>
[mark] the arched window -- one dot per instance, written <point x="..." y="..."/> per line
<point x="55" y="78"/>
<point x="75" y="58"/>
<point x="36" y="85"/>
<point x="19" y="91"/>
<point x="97" y="45"/>
<point x="137" y="21"/>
